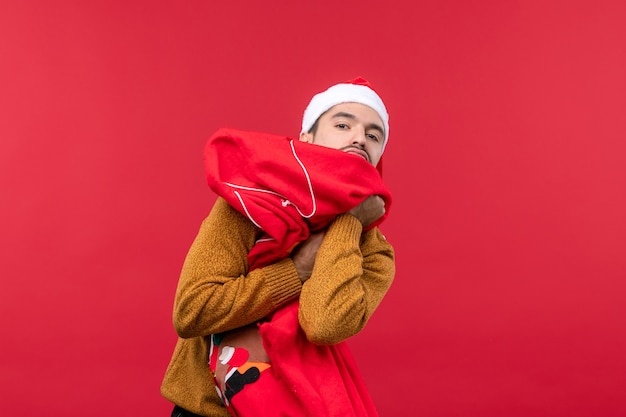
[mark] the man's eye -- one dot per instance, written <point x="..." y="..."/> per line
<point x="342" y="125"/>
<point x="373" y="137"/>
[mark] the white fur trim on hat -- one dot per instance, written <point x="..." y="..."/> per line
<point x="344" y="93"/>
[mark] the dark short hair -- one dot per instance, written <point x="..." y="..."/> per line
<point x="313" y="128"/>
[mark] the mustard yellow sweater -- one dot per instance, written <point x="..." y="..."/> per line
<point x="353" y="271"/>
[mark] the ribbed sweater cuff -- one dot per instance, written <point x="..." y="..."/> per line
<point x="283" y="281"/>
<point x="347" y="225"/>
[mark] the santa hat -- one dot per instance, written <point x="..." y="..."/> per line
<point x="357" y="90"/>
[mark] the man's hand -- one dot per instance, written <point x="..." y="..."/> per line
<point x="370" y="210"/>
<point x="303" y="255"/>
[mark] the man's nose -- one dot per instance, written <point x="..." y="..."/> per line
<point x="358" y="137"/>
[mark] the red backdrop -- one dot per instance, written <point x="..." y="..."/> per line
<point x="507" y="161"/>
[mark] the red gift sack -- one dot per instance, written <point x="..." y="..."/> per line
<point x="270" y="369"/>
<point x="287" y="188"/>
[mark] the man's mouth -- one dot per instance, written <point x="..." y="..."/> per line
<point x="359" y="152"/>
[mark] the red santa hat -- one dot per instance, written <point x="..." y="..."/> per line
<point x="357" y="90"/>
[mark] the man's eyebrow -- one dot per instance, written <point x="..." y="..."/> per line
<point x="344" y="114"/>
<point x="352" y="116"/>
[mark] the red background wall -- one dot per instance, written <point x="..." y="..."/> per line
<point x="507" y="161"/>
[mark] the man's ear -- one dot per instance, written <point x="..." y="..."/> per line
<point x="306" y="137"/>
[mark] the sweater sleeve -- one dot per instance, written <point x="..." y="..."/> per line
<point x="215" y="291"/>
<point x="352" y="273"/>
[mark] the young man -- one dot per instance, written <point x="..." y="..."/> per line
<point x="339" y="273"/>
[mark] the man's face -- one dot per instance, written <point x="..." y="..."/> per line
<point x="351" y="127"/>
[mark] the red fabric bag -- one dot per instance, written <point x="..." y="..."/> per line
<point x="287" y="188"/>
<point x="298" y="378"/>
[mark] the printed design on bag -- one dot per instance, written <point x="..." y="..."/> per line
<point x="240" y="371"/>
<point x="232" y="368"/>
